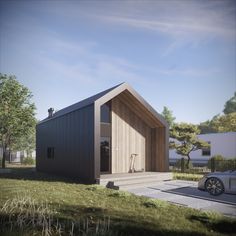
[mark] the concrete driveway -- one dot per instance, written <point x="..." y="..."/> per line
<point x="185" y="193"/>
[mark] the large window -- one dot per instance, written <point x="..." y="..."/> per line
<point x="206" y="151"/>
<point x="106" y="113"/>
<point x="105" y="154"/>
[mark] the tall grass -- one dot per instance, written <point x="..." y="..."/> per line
<point x="24" y="214"/>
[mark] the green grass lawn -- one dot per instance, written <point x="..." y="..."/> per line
<point x="93" y="210"/>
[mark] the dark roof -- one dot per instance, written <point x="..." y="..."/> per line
<point x="104" y="95"/>
<point x="83" y="103"/>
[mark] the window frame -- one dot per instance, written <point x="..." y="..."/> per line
<point x="108" y="107"/>
<point x="207" y="151"/>
<point x="50" y="152"/>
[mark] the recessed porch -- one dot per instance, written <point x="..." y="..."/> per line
<point x="132" y="139"/>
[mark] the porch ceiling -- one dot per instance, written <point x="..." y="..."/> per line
<point x="139" y="109"/>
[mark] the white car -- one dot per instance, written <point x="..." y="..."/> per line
<point x="217" y="183"/>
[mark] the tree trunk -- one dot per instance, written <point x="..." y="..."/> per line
<point x="188" y="161"/>
<point x="9" y="155"/>
<point x="4" y="157"/>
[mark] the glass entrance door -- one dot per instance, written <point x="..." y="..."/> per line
<point x="105" y="149"/>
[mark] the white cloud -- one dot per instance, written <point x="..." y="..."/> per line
<point x="176" y="18"/>
<point x="174" y="28"/>
<point x="184" y="22"/>
<point x="81" y="63"/>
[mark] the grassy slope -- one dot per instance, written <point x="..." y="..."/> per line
<point x="128" y="213"/>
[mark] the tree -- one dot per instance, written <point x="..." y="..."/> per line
<point x="208" y="127"/>
<point x="225" y="123"/>
<point x="16" y="113"/>
<point x="168" y="115"/>
<point x="26" y="143"/>
<point x="185" y="140"/>
<point x="230" y="105"/>
<point x="221" y="123"/>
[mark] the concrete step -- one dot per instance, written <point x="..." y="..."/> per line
<point x="139" y="185"/>
<point x="143" y="179"/>
<point x="128" y="181"/>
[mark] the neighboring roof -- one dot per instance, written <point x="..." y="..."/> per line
<point x="219" y="134"/>
<point x="102" y="98"/>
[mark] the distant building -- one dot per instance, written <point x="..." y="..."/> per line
<point x="223" y="144"/>
<point x="16" y="156"/>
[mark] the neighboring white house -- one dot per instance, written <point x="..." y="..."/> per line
<point x="17" y="156"/>
<point x="223" y="144"/>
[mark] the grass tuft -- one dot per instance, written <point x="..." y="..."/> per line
<point x="94" y="187"/>
<point x="154" y="203"/>
<point x="24" y="214"/>
<point x="120" y="194"/>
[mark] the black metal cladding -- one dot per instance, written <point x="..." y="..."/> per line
<point x="72" y="138"/>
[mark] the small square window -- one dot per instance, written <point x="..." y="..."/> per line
<point x="206" y="151"/>
<point x="50" y="153"/>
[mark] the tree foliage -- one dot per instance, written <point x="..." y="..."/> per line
<point x="185" y="140"/>
<point x="222" y="123"/>
<point x="219" y="123"/>
<point x="225" y="123"/>
<point x="208" y="126"/>
<point x="26" y="143"/>
<point x="168" y="115"/>
<point x="230" y="105"/>
<point x="17" y="112"/>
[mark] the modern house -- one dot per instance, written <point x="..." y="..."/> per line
<point x="223" y="144"/>
<point x="115" y="131"/>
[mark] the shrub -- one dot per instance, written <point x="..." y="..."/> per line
<point x="216" y="158"/>
<point x="187" y="176"/>
<point x="222" y="164"/>
<point x="178" y="164"/>
<point x="28" y="161"/>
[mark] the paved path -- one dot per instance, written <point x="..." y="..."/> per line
<point x="186" y="193"/>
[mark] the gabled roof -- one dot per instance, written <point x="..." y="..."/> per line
<point x="104" y="97"/>
<point x="83" y="103"/>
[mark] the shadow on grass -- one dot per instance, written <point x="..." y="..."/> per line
<point x="220" y="226"/>
<point x="124" y="224"/>
<point x="29" y="173"/>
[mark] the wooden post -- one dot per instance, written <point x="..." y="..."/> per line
<point x="213" y="164"/>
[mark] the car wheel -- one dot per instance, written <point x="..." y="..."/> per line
<point x="214" y="186"/>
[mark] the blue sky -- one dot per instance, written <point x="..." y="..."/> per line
<point x="179" y="54"/>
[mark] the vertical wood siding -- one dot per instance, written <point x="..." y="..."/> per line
<point x="160" y="150"/>
<point x="72" y="136"/>
<point x="130" y="134"/>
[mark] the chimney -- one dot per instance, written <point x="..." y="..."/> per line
<point x="50" y="112"/>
